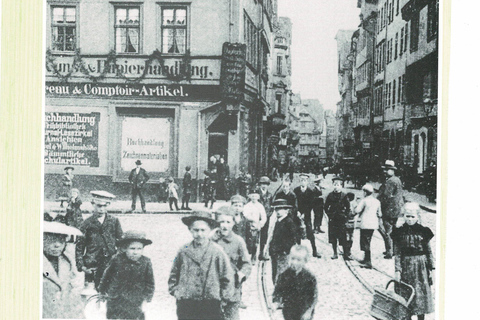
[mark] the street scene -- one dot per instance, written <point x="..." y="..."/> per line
<point x="201" y="161"/>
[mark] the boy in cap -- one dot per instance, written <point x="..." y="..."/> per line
<point x="172" y="190"/>
<point x="128" y="280"/>
<point x="59" y="299"/>
<point x="236" y="249"/>
<point x="237" y="203"/>
<point x="187" y="188"/>
<point x="284" y="236"/>
<point x="305" y="199"/>
<point x="256" y="217"/>
<point x="101" y="231"/>
<point x="137" y="178"/>
<point x="296" y="288"/>
<point x="266" y="200"/>
<point x="201" y="278"/>
<point x="317" y="206"/>
<point x="337" y="208"/>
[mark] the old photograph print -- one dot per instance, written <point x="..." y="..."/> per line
<point x="240" y="159"/>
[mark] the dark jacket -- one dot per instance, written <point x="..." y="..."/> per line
<point x="98" y="244"/>
<point x="187" y="183"/>
<point x="337" y="207"/>
<point x="266" y="201"/>
<point x="296" y="291"/>
<point x="285" y="235"/>
<point x="391" y="197"/>
<point x="317" y="197"/>
<point x="138" y="180"/>
<point x="304" y="199"/>
<point x="127" y="281"/>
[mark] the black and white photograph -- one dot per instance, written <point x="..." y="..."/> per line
<point x="241" y="159"/>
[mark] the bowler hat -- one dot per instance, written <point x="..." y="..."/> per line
<point x="281" y="203"/>
<point x="132" y="235"/>
<point x="389" y="164"/>
<point x="67" y="168"/>
<point x="264" y="180"/>
<point x="201" y="215"/>
<point x="138" y="162"/>
<point x="238" y="198"/>
<point x="350" y="196"/>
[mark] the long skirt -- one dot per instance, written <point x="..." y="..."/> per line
<point x="415" y="273"/>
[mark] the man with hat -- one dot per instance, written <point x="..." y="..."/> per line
<point x="266" y="200"/>
<point x="390" y="196"/>
<point x="284" y="236"/>
<point x="317" y="206"/>
<point x="59" y="299"/>
<point x="201" y="278"/>
<point x="305" y="199"/>
<point x="137" y="178"/>
<point x="256" y="217"/>
<point x="67" y="183"/>
<point x="101" y="231"/>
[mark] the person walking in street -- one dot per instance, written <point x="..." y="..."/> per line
<point x="318" y="206"/>
<point x="391" y="198"/>
<point x="414" y="262"/>
<point x="60" y="301"/>
<point x="237" y="203"/>
<point x="201" y="278"/>
<point x="296" y="287"/>
<point x="137" y="178"/>
<point x="287" y="194"/>
<point x="172" y="190"/>
<point x="128" y="281"/>
<point x="256" y="217"/>
<point x="66" y="185"/>
<point x="98" y="246"/>
<point x="266" y="200"/>
<point x="209" y="190"/>
<point x="284" y="237"/>
<point x="236" y="249"/>
<point x="74" y="216"/>
<point x="187" y="189"/>
<point x="370" y="216"/>
<point x="305" y="197"/>
<point x="337" y="208"/>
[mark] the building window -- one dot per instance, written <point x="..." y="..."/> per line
<point x="398" y="6"/>
<point x="127" y="29"/>
<point x="399" y="95"/>
<point x="279" y="65"/>
<point x="402" y="35"/>
<point x="278" y="104"/>
<point x="396" y="46"/>
<point x="432" y="22"/>
<point x="250" y="38"/>
<point x="391" y="11"/>
<point x="406" y="38"/>
<point x="64" y="25"/>
<point x="174" y="30"/>
<point x="394" y="91"/>
<point x="382" y="20"/>
<point x="414" y="30"/>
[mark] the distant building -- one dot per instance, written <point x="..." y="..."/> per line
<point x="331" y="136"/>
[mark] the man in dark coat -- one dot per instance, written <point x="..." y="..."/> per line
<point x="266" y="200"/>
<point x="138" y="177"/>
<point x="318" y="206"/>
<point x="187" y="188"/>
<point x="98" y="246"/>
<point x="305" y="198"/>
<point x="284" y="236"/>
<point x="390" y="196"/>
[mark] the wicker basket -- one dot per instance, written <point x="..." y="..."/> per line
<point x="388" y="305"/>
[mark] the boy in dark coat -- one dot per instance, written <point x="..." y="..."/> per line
<point x="296" y="288"/>
<point x="74" y="216"/>
<point x="266" y="200"/>
<point x="187" y="188"/>
<point x="209" y="189"/>
<point x="128" y="280"/>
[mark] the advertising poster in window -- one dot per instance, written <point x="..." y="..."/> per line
<point x="147" y="140"/>
<point x="71" y="139"/>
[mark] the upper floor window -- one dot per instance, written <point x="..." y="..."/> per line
<point x="398" y="7"/>
<point x="250" y="38"/>
<point x="279" y="65"/>
<point x="414" y="32"/>
<point x="127" y="29"/>
<point x="432" y="22"/>
<point x="174" y="30"/>
<point x="64" y="25"/>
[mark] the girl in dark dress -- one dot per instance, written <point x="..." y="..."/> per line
<point x="414" y="260"/>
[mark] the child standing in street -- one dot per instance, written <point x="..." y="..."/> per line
<point x="172" y="190"/>
<point x="256" y="217"/>
<point x="296" y="288"/>
<point x="187" y="188"/>
<point x="236" y="249"/>
<point x="201" y="278"/>
<point x="238" y="205"/>
<point x="128" y="280"/>
<point x="74" y="216"/>
<point x="208" y="189"/>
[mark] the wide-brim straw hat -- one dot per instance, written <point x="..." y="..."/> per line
<point x="389" y="164"/>
<point x="281" y="203"/>
<point x="200" y="215"/>
<point x="60" y="228"/>
<point x="132" y="235"/>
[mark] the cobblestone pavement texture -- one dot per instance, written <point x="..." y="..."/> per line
<point x="341" y="295"/>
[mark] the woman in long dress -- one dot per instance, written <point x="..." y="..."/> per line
<point x="414" y="260"/>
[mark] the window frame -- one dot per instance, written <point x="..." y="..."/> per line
<point x="53" y="25"/>
<point x="253" y="46"/>
<point x="279" y="66"/>
<point x="396" y="46"/>
<point x="432" y="21"/>
<point x="415" y="32"/>
<point x="127" y="5"/>
<point x="174" y="6"/>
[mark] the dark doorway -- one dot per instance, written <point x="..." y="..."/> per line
<point x="218" y="144"/>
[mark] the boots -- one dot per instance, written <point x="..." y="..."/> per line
<point x="367" y="261"/>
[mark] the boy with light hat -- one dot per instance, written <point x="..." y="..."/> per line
<point x="256" y="217"/>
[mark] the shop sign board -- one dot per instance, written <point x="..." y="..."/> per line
<point x="232" y="76"/>
<point x="71" y="138"/>
<point x="147" y="140"/>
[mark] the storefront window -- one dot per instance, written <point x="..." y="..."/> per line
<point x="127" y="29"/>
<point x="174" y="30"/>
<point x="63" y="28"/>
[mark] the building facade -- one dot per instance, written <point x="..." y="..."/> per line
<point x="158" y="82"/>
